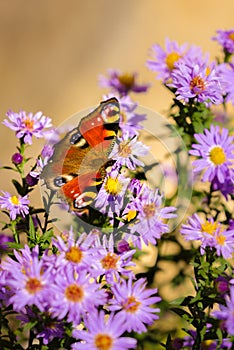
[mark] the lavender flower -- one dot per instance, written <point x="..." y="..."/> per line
<point x="211" y="234"/>
<point x="226" y="313"/>
<point x="226" y="73"/>
<point x="226" y="187"/>
<point x="27" y="280"/>
<point x="198" y="82"/>
<point x="133" y="301"/>
<point x="17" y="158"/>
<point x="15" y="205"/>
<point x="122" y="83"/>
<point x="27" y="125"/>
<point x="126" y="151"/>
<point x="103" y="333"/>
<point x="151" y="215"/>
<point x="215" y="148"/>
<point x="75" y="288"/>
<point x="226" y="39"/>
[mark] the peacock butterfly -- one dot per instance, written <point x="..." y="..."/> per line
<point x="77" y="169"/>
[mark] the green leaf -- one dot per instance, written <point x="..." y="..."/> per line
<point x="18" y="187"/>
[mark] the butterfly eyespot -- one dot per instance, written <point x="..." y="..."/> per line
<point x="59" y="181"/>
<point x="75" y="138"/>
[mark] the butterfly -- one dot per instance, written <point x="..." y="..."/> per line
<point x="78" y="167"/>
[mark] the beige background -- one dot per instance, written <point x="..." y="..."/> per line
<point x="52" y="51"/>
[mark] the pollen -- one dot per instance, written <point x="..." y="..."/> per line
<point x="209" y="227"/>
<point x="127" y="80"/>
<point x="217" y="155"/>
<point x="231" y="36"/>
<point x="197" y="85"/>
<point x="149" y="210"/>
<point x="33" y="285"/>
<point x="110" y="261"/>
<point x="29" y="124"/>
<point x="125" y="150"/>
<point x="113" y="186"/>
<point x="171" y="59"/>
<point x="221" y="239"/>
<point x="103" y="342"/>
<point x="131" y="305"/>
<point x="14" y="200"/>
<point x="74" y="254"/>
<point x="74" y="293"/>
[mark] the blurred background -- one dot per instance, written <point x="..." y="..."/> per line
<point x="52" y="52"/>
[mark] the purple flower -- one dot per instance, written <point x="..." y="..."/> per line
<point x="109" y="263"/>
<point x="222" y="285"/>
<point x="164" y="60"/>
<point x="17" y="158"/>
<point x="226" y="313"/>
<point x="133" y="301"/>
<point x="226" y="187"/>
<point x="15" y="205"/>
<point x="149" y="223"/>
<point x="123" y="83"/>
<point x="211" y="234"/>
<point x="73" y="251"/>
<point x="31" y="180"/>
<point x="28" y="281"/>
<point x="226" y="73"/>
<point x="76" y="290"/>
<point x="197" y="81"/>
<point x="215" y="147"/>
<point x="111" y="195"/>
<point x="103" y="333"/>
<point x="27" y="125"/>
<point x="127" y="150"/>
<point x="42" y="160"/>
<point x="226" y="39"/>
<point x="4" y="239"/>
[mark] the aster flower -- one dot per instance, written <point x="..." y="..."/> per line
<point x="103" y="333"/>
<point x="126" y="150"/>
<point x="215" y="147"/>
<point x="16" y="205"/>
<point x="226" y="73"/>
<point x="4" y="239"/>
<point x="226" y="313"/>
<point x="226" y="187"/>
<point x="111" y="195"/>
<point x="163" y="61"/>
<point x="28" y="281"/>
<point x="211" y="234"/>
<point x="149" y="222"/>
<point x="197" y="81"/>
<point x="76" y="290"/>
<point x="122" y="83"/>
<point x="226" y="39"/>
<point x="133" y="301"/>
<point x="73" y="251"/>
<point x="27" y="125"/>
<point x="109" y="263"/>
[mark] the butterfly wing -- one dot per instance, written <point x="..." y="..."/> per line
<point x="77" y="167"/>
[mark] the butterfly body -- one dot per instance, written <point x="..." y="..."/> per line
<point x="78" y="166"/>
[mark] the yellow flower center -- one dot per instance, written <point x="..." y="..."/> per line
<point x="221" y="239"/>
<point x="74" y="293"/>
<point x="127" y="80"/>
<point x="124" y="149"/>
<point x="33" y="285"/>
<point x="171" y="59"/>
<point x="206" y="344"/>
<point x="209" y="227"/>
<point x="131" y="305"/>
<point x="149" y="210"/>
<point x="113" y="186"/>
<point x="14" y="200"/>
<point x="197" y="84"/>
<point x="231" y="36"/>
<point x="217" y="155"/>
<point x="110" y="261"/>
<point x="103" y="342"/>
<point x="131" y="215"/>
<point x="74" y="255"/>
<point x="29" y="124"/>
